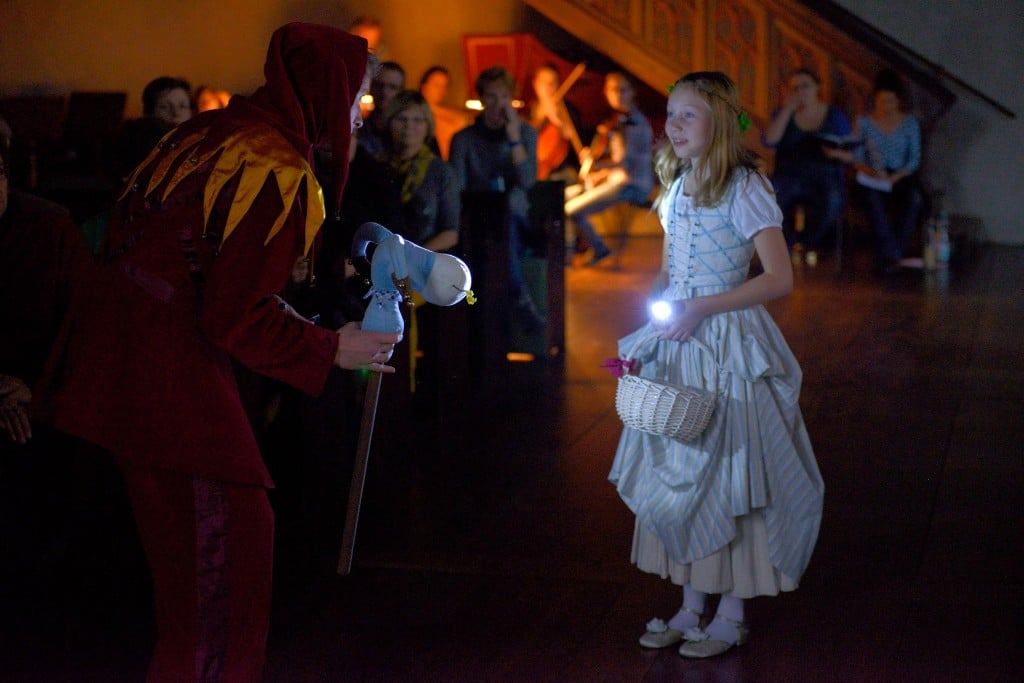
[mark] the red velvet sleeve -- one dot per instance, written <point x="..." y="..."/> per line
<point x="240" y="313"/>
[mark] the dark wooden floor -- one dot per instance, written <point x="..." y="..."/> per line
<point x="499" y="552"/>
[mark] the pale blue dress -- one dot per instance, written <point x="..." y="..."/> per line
<point x="738" y="510"/>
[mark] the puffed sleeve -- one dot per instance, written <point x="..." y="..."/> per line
<point x="754" y="207"/>
<point x="667" y="202"/>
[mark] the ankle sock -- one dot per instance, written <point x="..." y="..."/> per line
<point x="692" y="600"/>
<point x="731" y="608"/>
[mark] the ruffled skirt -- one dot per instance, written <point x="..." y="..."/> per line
<point x="747" y="495"/>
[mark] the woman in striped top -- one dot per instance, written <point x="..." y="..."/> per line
<point x="891" y="153"/>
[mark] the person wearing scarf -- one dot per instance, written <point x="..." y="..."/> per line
<point x="428" y="189"/>
<point x="203" y="238"/>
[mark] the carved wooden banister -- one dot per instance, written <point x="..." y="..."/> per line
<point x="757" y="42"/>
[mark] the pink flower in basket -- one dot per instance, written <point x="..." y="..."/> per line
<point x="617" y="366"/>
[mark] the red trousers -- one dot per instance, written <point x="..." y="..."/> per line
<point x="210" y="550"/>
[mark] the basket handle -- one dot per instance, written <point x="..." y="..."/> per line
<point x="691" y="340"/>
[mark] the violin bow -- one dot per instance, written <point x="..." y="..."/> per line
<point x="570" y="80"/>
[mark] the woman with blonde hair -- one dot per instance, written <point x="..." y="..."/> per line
<point x="428" y="187"/>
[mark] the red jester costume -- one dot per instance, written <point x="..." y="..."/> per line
<point x="204" y="236"/>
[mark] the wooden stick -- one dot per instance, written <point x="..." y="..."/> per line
<point x="355" y="493"/>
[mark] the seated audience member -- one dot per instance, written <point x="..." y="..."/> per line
<point x="387" y="82"/>
<point x="208" y="98"/>
<point x="887" y="165"/>
<point x="447" y="121"/>
<point x="43" y="257"/>
<point x="56" y="493"/>
<point x="498" y="153"/>
<point x="557" y="122"/>
<point x="803" y="174"/>
<point x="43" y="254"/>
<point x="168" y="99"/>
<point x="429" y="190"/>
<point x="617" y="167"/>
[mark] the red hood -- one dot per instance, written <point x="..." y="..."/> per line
<point x="313" y="75"/>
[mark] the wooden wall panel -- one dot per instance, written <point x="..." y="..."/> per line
<point x="676" y="30"/>
<point x="758" y="43"/>
<point x="738" y="41"/>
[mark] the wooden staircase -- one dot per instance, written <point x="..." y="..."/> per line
<point x="757" y="42"/>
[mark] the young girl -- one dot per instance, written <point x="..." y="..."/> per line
<point x="737" y="511"/>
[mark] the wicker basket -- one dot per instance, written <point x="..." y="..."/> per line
<point x="656" y="407"/>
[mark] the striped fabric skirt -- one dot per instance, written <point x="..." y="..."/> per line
<point x="747" y="496"/>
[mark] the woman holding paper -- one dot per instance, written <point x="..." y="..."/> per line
<point x="887" y="165"/>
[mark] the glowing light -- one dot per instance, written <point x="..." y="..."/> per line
<point x="477" y="105"/>
<point x="661" y="310"/>
<point x="517" y="357"/>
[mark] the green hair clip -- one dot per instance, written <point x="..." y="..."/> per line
<point x="744" y="121"/>
<point x="668" y="88"/>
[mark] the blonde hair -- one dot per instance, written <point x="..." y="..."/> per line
<point x="724" y="154"/>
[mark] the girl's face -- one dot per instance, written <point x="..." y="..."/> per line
<point x="409" y="130"/>
<point x="173" y="106"/>
<point x="688" y="123"/>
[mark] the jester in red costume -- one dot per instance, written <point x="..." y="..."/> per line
<point x="203" y="238"/>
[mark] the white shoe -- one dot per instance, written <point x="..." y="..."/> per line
<point x="698" y="647"/>
<point x="659" y="634"/>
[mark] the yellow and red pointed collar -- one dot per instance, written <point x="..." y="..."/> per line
<point x="254" y="151"/>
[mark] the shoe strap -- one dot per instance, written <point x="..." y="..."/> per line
<point x="694" y="612"/>
<point x="741" y="627"/>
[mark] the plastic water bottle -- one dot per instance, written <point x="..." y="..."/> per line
<point x="931" y="245"/>
<point x="943" y="247"/>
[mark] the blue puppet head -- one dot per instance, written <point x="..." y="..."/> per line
<point x="398" y="268"/>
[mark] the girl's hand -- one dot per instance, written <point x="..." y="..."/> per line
<point x="684" y="319"/>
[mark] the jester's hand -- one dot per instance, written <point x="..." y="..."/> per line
<point x="359" y="348"/>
